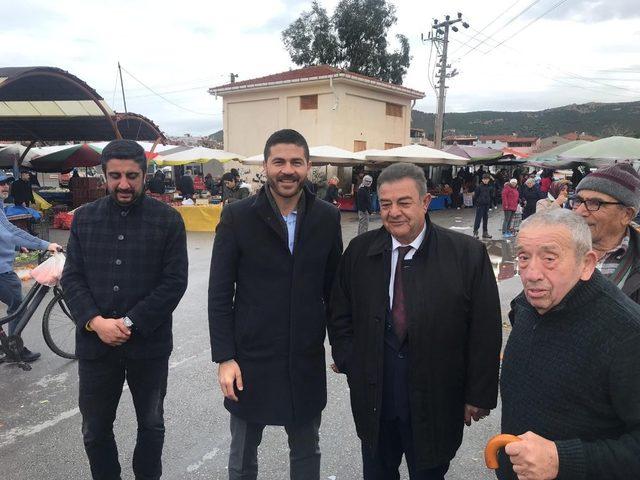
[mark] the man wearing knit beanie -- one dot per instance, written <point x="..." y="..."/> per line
<point x="608" y="200"/>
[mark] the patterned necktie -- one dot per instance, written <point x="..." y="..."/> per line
<point x="398" y="313"/>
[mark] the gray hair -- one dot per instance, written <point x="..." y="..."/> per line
<point x="400" y="171"/>
<point x="577" y="226"/>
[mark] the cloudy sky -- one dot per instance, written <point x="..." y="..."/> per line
<point x="556" y="52"/>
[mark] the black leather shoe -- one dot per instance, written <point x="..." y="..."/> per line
<point x="29" y="356"/>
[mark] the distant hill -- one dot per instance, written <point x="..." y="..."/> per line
<point x="600" y="119"/>
<point x="216" y="137"/>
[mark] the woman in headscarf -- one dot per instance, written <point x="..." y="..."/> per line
<point x="556" y="196"/>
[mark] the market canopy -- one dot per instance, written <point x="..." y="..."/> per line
<point x="182" y="155"/>
<point x="318" y="156"/>
<point x="63" y="158"/>
<point x="49" y="104"/>
<point x="417" y="154"/>
<point x="474" y="154"/>
<point x="549" y="158"/>
<point x="11" y="153"/>
<point x="605" y="151"/>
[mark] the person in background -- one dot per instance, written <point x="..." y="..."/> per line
<point x="232" y="189"/>
<point x="482" y="198"/>
<point x="398" y="310"/>
<point x="570" y="375"/>
<point x="332" y="195"/>
<point x="608" y="199"/>
<point x="21" y="190"/>
<point x="510" y="197"/>
<point x="156" y="184"/>
<point x="546" y="179"/>
<point x="198" y="183"/>
<point x="74" y="180"/>
<point x="457" y="185"/>
<point x="208" y="183"/>
<point x="10" y="285"/>
<point x="186" y="186"/>
<point x="557" y="196"/>
<point x="363" y="203"/>
<point x="529" y="196"/>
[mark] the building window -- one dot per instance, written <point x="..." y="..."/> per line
<point x="308" y="102"/>
<point x="359" y="145"/>
<point x="387" y="146"/>
<point x="394" y="110"/>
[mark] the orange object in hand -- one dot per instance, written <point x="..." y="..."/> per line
<point x="495" y="444"/>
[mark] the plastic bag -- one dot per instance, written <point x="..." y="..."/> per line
<point x="49" y="272"/>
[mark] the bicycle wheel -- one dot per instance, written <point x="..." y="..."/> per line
<point x="59" y="329"/>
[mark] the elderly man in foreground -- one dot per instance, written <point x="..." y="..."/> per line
<point x="571" y="372"/>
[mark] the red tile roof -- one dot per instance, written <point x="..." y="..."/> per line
<point x="507" y="139"/>
<point x="308" y="74"/>
<point x="582" y="136"/>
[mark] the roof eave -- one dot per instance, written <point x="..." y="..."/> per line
<point x="398" y="90"/>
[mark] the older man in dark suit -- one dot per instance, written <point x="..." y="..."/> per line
<point x="415" y="325"/>
<point x="273" y="263"/>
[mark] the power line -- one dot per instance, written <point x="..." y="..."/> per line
<point x="488" y="25"/>
<point x="528" y="25"/>
<point x="163" y="97"/>
<point x="508" y="22"/>
<point x="560" y="70"/>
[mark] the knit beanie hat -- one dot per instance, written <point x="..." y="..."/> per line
<point x="620" y="181"/>
<point x="124" y="150"/>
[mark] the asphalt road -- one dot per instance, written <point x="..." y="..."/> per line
<point x="40" y="435"/>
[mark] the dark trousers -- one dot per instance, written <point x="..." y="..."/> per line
<point x="506" y="224"/>
<point x="396" y="439"/>
<point x="482" y="213"/>
<point x="11" y="295"/>
<point x="304" y="449"/>
<point x="101" y="382"/>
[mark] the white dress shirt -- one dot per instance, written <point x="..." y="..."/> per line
<point x="394" y="257"/>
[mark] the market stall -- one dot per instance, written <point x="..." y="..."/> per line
<point x="200" y="218"/>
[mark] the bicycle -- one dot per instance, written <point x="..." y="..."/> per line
<point x="58" y="326"/>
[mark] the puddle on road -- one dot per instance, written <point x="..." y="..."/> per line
<point x="502" y="254"/>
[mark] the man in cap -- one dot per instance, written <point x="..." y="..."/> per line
<point x="569" y="381"/>
<point x="125" y="273"/>
<point x="10" y="285"/>
<point x="21" y="190"/>
<point x="510" y="197"/>
<point x="363" y="203"/>
<point x="608" y="199"/>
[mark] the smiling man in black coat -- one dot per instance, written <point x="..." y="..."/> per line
<point x="274" y="259"/>
<point x="415" y="325"/>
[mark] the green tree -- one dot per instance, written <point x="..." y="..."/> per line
<point x="354" y="38"/>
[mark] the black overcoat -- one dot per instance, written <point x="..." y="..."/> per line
<point x="267" y="307"/>
<point x="454" y="335"/>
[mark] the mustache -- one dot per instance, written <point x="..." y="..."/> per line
<point x="288" y="177"/>
<point x="125" y="191"/>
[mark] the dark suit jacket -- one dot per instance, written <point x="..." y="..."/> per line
<point x="454" y="335"/>
<point x="267" y="307"/>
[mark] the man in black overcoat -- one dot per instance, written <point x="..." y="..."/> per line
<point x="415" y="325"/>
<point x="274" y="259"/>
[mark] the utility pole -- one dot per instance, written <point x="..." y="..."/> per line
<point x="440" y="37"/>
<point x="124" y="99"/>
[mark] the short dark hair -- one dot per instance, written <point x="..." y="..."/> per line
<point x="228" y="177"/>
<point x="286" y="135"/>
<point x="486" y="176"/>
<point x="124" y="150"/>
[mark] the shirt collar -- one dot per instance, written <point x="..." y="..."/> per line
<point x="415" y="244"/>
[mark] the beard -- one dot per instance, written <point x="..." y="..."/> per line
<point x="134" y="196"/>
<point x="276" y="186"/>
<point x="4" y="195"/>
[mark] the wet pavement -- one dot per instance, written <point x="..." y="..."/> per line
<point x="40" y="424"/>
